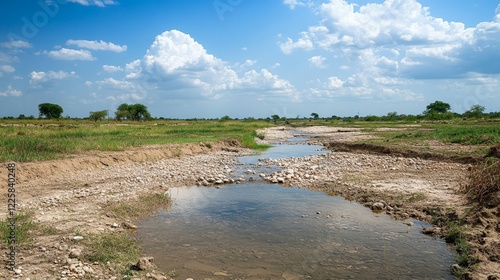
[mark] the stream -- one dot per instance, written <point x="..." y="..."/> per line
<point x="257" y="230"/>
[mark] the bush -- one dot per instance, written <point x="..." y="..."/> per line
<point x="483" y="180"/>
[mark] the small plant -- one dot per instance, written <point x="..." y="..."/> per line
<point x="24" y="229"/>
<point x="139" y="207"/>
<point x="483" y="180"/>
<point x="111" y="246"/>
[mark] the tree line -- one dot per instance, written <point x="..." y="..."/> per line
<point x="437" y="110"/>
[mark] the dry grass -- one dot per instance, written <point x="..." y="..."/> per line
<point x="483" y="180"/>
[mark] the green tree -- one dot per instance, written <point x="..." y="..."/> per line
<point x="50" y="111"/>
<point x="315" y="116"/>
<point x="275" y="118"/>
<point x="437" y="107"/>
<point x="475" y="111"/>
<point x="99" y="115"/>
<point x="139" y="112"/>
<point x="135" y="112"/>
<point x="225" y="118"/>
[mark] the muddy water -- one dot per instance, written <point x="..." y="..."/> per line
<point x="262" y="231"/>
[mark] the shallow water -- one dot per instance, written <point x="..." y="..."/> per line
<point x="263" y="231"/>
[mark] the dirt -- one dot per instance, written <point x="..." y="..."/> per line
<point x="70" y="194"/>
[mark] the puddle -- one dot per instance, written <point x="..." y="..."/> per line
<point x="262" y="231"/>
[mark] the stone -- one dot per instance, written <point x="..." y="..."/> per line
<point x="144" y="263"/>
<point x="128" y="225"/>
<point x="78" y="237"/>
<point x="378" y="206"/>
<point x="75" y="253"/>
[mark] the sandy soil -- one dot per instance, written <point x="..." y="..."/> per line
<point x="70" y="193"/>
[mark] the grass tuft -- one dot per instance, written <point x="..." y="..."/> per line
<point x="112" y="247"/>
<point x="483" y="180"/>
<point x="139" y="207"/>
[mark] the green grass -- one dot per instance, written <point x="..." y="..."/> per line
<point x="26" y="229"/>
<point x="138" y="207"/>
<point x="112" y="247"/>
<point x="38" y="140"/>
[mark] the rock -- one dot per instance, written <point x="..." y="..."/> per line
<point x="378" y="206"/>
<point x="114" y="225"/>
<point x="219" y="182"/>
<point x="408" y="223"/>
<point x="78" y="237"/>
<point x="128" y="225"/>
<point x="144" y="263"/>
<point x="431" y="230"/>
<point x="455" y="269"/>
<point x="280" y="180"/>
<point x="75" y="253"/>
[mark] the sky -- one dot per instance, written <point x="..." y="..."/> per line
<point x="249" y="58"/>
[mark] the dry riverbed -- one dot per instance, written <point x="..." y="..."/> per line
<point x="71" y="194"/>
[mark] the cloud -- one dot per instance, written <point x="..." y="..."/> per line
<point x="6" y="69"/>
<point x="175" y="63"/>
<point x="318" y="61"/>
<point x="111" y="68"/>
<point x="396" y="41"/>
<point x="293" y="3"/>
<point x="16" y="44"/>
<point x="70" y="54"/>
<point x="116" y="84"/>
<point x="303" y="43"/>
<point x="334" y="82"/>
<point x="11" y="92"/>
<point x="38" y="78"/>
<point x="97" y="45"/>
<point x="99" y="3"/>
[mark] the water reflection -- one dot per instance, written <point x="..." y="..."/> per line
<point x="262" y="231"/>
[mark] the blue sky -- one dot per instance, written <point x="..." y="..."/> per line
<point x="249" y="58"/>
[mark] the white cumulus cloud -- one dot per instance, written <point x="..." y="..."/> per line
<point x="112" y="68"/>
<point x="99" y="3"/>
<point x="10" y="91"/>
<point x="318" y="61"/>
<point x="176" y="63"/>
<point x="16" y="44"/>
<point x="70" y="54"/>
<point x="97" y="45"/>
<point x="38" y="78"/>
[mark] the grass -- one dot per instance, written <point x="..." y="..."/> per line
<point x="483" y="180"/>
<point x="138" y="207"/>
<point x="26" y="229"/>
<point x="37" y="140"/>
<point x="111" y="247"/>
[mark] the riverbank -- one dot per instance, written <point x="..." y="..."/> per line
<point x="71" y="195"/>
<point x="399" y="183"/>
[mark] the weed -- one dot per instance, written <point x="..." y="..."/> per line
<point x="25" y="228"/>
<point x="138" y="207"/>
<point x="483" y="180"/>
<point x="112" y="247"/>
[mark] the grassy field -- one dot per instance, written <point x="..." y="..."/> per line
<point x="474" y="135"/>
<point x="35" y="140"/>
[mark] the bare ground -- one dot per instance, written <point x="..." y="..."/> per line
<point x="70" y="194"/>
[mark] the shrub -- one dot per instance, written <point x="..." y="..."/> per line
<point x="483" y="180"/>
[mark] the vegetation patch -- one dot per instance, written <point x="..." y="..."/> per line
<point x="26" y="229"/>
<point x="139" y="207"/>
<point x="483" y="180"/>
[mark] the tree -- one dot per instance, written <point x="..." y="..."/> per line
<point x="315" y="116"/>
<point x="275" y="118"/>
<point x="99" y="115"/>
<point x="50" y="111"/>
<point x="225" y="118"/>
<point x="475" y="111"/>
<point x="437" y="107"/>
<point x="134" y="112"/>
